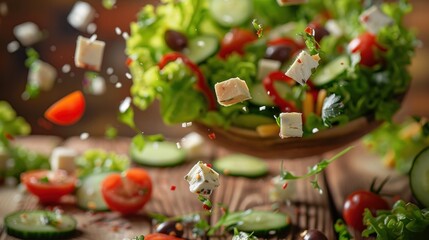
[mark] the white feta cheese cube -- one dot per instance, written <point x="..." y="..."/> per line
<point x="63" y="159"/>
<point x="202" y="179"/>
<point x="81" y="15"/>
<point x="27" y="33"/>
<point x="302" y="67"/>
<point x="43" y="75"/>
<point x="290" y="2"/>
<point x="232" y="91"/>
<point x="334" y="28"/>
<point x="281" y="190"/>
<point x="265" y="66"/>
<point x="291" y="124"/>
<point x="89" y="53"/>
<point x="374" y="19"/>
<point x="193" y="144"/>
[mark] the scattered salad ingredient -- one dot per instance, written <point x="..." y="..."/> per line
<point x="241" y="165"/>
<point x="89" y="53"/>
<point x="290" y="124"/>
<point x="150" y="155"/>
<point x="93" y="83"/>
<point x="111" y="132"/>
<point x="27" y="33"/>
<point x="49" y="186"/>
<point x="68" y="110"/>
<point x="128" y="192"/>
<point x="175" y="40"/>
<point x="171" y="228"/>
<point x="419" y="177"/>
<point x="259" y="223"/>
<point x="63" y="158"/>
<point x="108" y="4"/>
<point x="374" y="19"/>
<point x="39" y="224"/>
<point x="258" y="27"/>
<point x="370" y="51"/>
<point x="341" y="230"/>
<point x="404" y="221"/>
<point x="232" y="91"/>
<point x="99" y="161"/>
<point x="81" y="15"/>
<point x="358" y="201"/>
<point x="302" y="67"/>
<point x="314" y="234"/>
<point x="202" y="179"/>
<point x="281" y="190"/>
<point x="243" y="235"/>
<point x="88" y="193"/>
<point x="159" y="236"/>
<point x="399" y="143"/>
<point x="194" y="145"/>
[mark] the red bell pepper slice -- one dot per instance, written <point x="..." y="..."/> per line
<point x="268" y="82"/>
<point x="201" y="81"/>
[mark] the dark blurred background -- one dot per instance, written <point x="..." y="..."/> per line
<point x="58" y="46"/>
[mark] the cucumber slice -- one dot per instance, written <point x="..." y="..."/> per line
<point x="331" y="70"/>
<point x="39" y="224"/>
<point x="419" y="177"/>
<point x="260" y="223"/>
<point x="260" y="96"/>
<point x="202" y="47"/>
<point x="230" y="13"/>
<point x="251" y="121"/>
<point x="241" y="165"/>
<point x="158" y="154"/>
<point x="89" y="196"/>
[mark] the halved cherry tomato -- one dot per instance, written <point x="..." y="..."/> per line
<point x="49" y="186"/>
<point x="369" y="49"/>
<point x="355" y="205"/>
<point x="235" y="41"/>
<point x="201" y="80"/>
<point x="284" y="105"/>
<point x="68" y="110"/>
<point x="127" y="193"/>
<point x="160" y="236"/>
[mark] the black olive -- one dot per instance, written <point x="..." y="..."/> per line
<point x="314" y="235"/>
<point x="173" y="228"/>
<point x="175" y="40"/>
<point x="319" y="31"/>
<point x="280" y="53"/>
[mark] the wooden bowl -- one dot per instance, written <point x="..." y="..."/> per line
<point x="249" y="142"/>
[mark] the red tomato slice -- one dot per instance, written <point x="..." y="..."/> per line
<point x="160" y="236"/>
<point x="369" y="49"/>
<point x="49" y="186"/>
<point x="127" y="193"/>
<point x="68" y="110"/>
<point x="234" y="42"/>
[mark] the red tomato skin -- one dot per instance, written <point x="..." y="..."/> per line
<point x="355" y="205"/>
<point x="47" y="192"/>
<point x="369" y="49"/>
<point x="160" y="236"/>
<point x="234" y="42"/>
<point x="68" y="110"/>
<point x="118" y="199"/>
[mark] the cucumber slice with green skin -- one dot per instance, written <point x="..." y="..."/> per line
<point x="251" y="121"/>
<point x="158" y="154"/>
<point x="331" y="70"/>
<point x="39" y="224"/>
<point x="202" y="47"/>
<point x="230" y="13"/>
<point x="260" y="223"/>
<point x="419" y="177"/>
<point x="89" y="196"/>
<point x="241" y="165"/>
<point x="260" y="96"/>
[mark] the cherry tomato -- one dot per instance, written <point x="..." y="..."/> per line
<point x="68" y="110"/>
<point x="355" y="205"/>
<point x="234" y="42"/>
<point x="128" y="192"/>
<point x="160" y="236"/>
<point x="49" y="186"/>
<point x="369" y="49"/>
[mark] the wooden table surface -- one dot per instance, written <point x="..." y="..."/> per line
<point x="308" y="208"/>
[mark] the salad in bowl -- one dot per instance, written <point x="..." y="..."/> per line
<point x="179" y="50"/>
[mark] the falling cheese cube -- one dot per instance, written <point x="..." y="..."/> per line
<point x="193" y="144"/>
<point x="43" y="75"/>
<point x="266" y="66"/>
<point x="232" y="91"/>
<point x="302" y="67"/>
<point x="374" y="19"/>
<point x="63" y="159"/>
<point x="290" y="124"/>
<point x="27" y="33"/>
<point x="202" y="179"/>
<point x="81" y="15"/>
<point x="89" y="53"/>
<point x="290" y="2"/>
